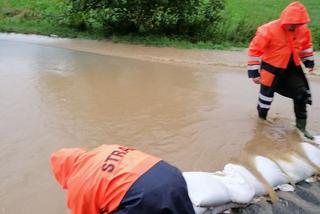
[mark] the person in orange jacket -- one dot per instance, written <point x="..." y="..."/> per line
<point x="117" y="180"/>
<point x="275" y="56"/>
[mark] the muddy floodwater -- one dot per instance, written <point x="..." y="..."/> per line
<point x="193" y="108"/>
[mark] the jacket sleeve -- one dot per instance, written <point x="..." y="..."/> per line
<point x="307" y="54"/>
<point x="256" y="49"/>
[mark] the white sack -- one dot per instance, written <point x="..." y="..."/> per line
<point x="317" y="139"/>
<point x="312" y="152"/>
<point x="286" y="188"/>
<point x="205" y="190"/>
<point x="215" y="210"/>
<point x="200" y="210"/>
<point x="247" y="175"/>
<point x="204" y="210"/>
<point x="296" y="168"/>
<point x="270" y="171"/>
<point x="239" y="189"/>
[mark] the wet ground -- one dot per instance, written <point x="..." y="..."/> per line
<point x="304" y="200"/>
<point x="193" y="108"/>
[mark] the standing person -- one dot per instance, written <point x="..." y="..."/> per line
<point x="119" y="180"/>
<point x="275" y="55"/>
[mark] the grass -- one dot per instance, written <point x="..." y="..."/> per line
<point x="31" y="16"/>
<point x="160" y="41"/>
<point x="241" y="19"/>
<point x="245" y="15"/>
<point x="262" y="11"/>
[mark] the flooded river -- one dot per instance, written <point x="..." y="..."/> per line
<point x="195" y="109"/>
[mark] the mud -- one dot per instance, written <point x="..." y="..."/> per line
<point x="195" y="109"/>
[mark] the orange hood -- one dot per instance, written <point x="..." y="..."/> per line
<point x="63" y="163"/>
<point x="294" y="13"/>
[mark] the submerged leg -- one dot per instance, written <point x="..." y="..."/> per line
<point x="265" y="99"/>
<point x="300" y="110"/>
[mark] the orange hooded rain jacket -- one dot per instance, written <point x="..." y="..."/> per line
<point x="273" y="45"/>
<point x="96" y="181"/>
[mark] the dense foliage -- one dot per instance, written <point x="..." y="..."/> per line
<point x="194" y="19"/>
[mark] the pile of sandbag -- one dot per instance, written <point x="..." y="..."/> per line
<point x="215" y="192"/>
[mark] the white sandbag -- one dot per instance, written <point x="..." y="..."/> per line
<point x="296" y="168"/>
<point x="270" y="171"/>
<point x="312" y="179"/>
<point x="317" y="139"/>
<point x="204" y="210"/>
<point x="215" y="210"/>
<point x="205" y="190"/>
<point x="200" y="210"/>
<point x="312" y="152"/>
<point x="239" y="189"/>
<point x="247" y="175"/>
<point x="285" y="188"/>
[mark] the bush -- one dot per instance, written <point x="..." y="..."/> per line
<point x="193" y="19"/>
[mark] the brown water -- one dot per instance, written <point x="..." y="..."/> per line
<point x="185" y="106"/>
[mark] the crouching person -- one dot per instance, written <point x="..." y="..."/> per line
<point x="118" y="180"/>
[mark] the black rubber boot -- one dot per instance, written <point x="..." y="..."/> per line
<point x="301" y="125"/>
<point x="262" y="113"/>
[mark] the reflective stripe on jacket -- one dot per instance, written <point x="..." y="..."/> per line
<point x="96" y="181"/>
<point x="274" y="44"/>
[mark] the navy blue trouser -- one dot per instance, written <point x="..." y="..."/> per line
<point x="161" y="190"/>
<point x="266" y="98"/>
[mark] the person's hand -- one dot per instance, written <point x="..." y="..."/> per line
<point x="256" y="80"/>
